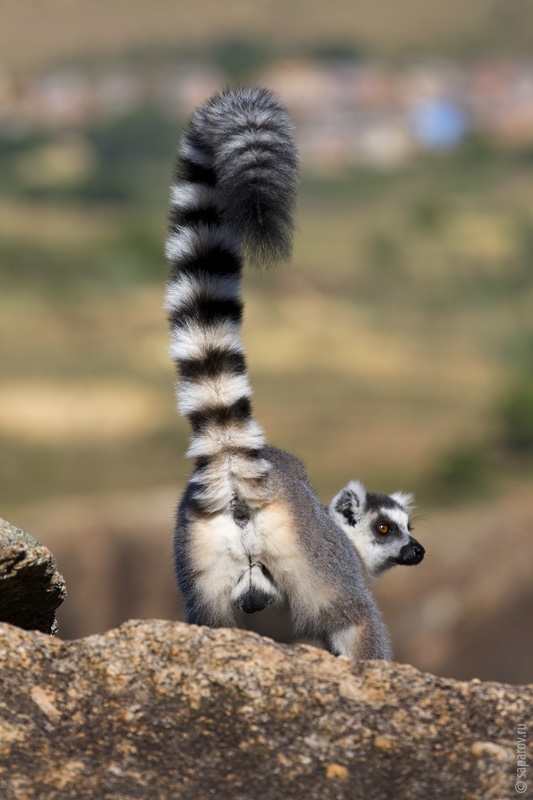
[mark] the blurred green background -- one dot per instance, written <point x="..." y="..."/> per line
<point x="396" y="348"/>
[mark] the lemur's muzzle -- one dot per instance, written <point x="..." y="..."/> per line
<point x="411" y="553"/>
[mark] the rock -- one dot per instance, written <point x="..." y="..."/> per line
<point x="31" y="588"/>
<point x="161" y="710"/>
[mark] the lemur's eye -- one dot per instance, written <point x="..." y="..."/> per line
<point x="383" y="528"/>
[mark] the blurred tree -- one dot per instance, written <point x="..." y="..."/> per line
<point x="516" y="414"/>
<point x="463" y="473"/>
<point x="240" y="58"/>
<point x="339" y="51"/>
<point x="430" y="215"/>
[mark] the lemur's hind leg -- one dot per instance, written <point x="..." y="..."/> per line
<point x="202" y="614"/>
<point x="255" y="589"/>
<point x="360" y="640"/>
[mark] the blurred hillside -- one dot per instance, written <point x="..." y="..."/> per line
<point x="397" y="347"/>
<point x="34" y="33"/>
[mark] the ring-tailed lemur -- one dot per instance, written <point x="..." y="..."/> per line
<point x="378" y="525"/>
<point x="252" y="541"/>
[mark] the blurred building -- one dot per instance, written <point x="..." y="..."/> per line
<point x="347" y="113"/>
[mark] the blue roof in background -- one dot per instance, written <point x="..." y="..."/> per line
<point x="439" y="123"/>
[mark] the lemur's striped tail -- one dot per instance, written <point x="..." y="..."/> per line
<point x="233" y="194"/>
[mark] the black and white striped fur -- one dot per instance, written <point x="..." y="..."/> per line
<point x="253" y="545"/>
<point x="233" y="193"/>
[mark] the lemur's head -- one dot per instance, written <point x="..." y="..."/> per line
<point x="378" y="526"/>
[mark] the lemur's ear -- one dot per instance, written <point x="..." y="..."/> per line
<point x="407" y="501"/>
<point x="347" y="506"/>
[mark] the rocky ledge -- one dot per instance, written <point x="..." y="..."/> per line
<point x="161" y="710"/>
<point x="31" y="588"/>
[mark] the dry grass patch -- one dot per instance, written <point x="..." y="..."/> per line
<point x="56" y="413"/>
<point x="58" y="226"/>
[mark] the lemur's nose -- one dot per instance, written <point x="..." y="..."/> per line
<point x="418" y="552"/>
<point x="411" y="553"/>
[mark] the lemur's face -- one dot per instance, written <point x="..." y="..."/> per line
<point x="378" y="526"/>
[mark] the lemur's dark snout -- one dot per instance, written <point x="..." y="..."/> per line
<point x="411" y="553"/>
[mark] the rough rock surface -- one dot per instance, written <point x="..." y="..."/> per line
<point x="161" y="710"/>
<point x="31" y="588"/>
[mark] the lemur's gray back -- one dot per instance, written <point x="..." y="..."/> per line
<point x="233" y="194"/>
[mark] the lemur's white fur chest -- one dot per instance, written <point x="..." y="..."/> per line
<point x="221" y="553"/>
<point x="221" y="548"/>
